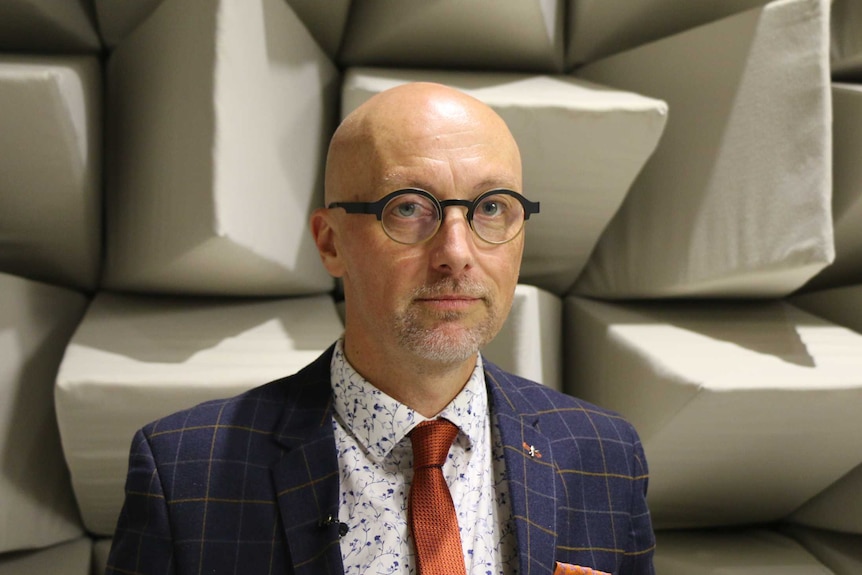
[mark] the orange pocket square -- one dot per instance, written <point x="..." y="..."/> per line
<point x="569" y="569"/>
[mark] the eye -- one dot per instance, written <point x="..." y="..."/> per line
<point x="411" y="207"/>
<point x="406" y="209"/>
<point x="491" y="207"/>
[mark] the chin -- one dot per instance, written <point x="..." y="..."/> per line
<point x="444" y="346"/>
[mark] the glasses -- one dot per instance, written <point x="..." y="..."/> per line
<point x="412" y="216"/>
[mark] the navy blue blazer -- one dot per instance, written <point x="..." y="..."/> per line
<point x="244" y="485"/>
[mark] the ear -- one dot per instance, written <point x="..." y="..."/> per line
<point x="326" y="239"/>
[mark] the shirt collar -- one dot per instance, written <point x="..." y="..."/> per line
<point x="379" y="422"/>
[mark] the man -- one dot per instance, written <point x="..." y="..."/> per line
<point x="312" y="474"/>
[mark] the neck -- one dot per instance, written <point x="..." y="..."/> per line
<point x="422" y="385"/>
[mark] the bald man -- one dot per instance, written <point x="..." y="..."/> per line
<point x="424" y="224"/>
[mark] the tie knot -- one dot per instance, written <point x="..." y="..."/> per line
<point x="431" y="442"/>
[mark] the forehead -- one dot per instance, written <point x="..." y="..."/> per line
<point x="445" y="158"/>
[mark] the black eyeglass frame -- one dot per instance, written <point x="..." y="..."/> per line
<point x="376" y="208"/>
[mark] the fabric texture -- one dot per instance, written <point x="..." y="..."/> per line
<point x="710" y="387"/>
<point x="214" y="205"/>
<point x="68" y="558"/>
<point x="37" y="507"/>
<point x="51" y="155"/>
<point x="244" y="485"/>
<point x="375" y="459"/>
<point x="754" y="550"/>
<point x="736" y="200"/>
<point x="433" y="521"/>
<point x="840" y="552"/>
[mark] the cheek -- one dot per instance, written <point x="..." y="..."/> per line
<point x="379" y="273"/>
<point x="506" y="267"/>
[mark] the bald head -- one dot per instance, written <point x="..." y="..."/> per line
<point x="406" y="118"/>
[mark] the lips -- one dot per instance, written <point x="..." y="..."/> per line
<point x="451" y="295"/>
<point x="449" y="301"/>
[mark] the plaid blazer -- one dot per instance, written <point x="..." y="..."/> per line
<point x="245" y="485"/>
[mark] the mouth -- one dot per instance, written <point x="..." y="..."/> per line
<point x="450" y="298"/>
<point x="450" y="302"/>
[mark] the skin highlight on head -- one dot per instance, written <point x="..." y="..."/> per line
<point x="416" y="315"/>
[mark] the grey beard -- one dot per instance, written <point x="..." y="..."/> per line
<point x="434" y="344"/>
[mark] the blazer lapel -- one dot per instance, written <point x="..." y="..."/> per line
<point x="306" y="477"/>
<point x="530" y="472"/>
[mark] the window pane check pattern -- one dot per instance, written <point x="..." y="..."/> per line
<point x="433" y="521"/>
<point x="239" y="486"/>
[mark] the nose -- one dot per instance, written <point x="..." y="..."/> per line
<point x="453" y="244"/>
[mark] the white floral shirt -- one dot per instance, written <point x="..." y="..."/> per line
<point x="375" y="461"/>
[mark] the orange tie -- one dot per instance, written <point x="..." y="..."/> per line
<point x="433" y="522"/>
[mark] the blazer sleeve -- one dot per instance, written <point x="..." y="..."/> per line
<point x="639" y="552"/>
<point x="142" y="542"/>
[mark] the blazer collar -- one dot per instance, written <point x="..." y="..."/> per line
<point x="306" y="476"/>
<point x="530" y="473"/>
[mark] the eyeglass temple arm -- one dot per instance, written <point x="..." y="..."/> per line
<point x="373" y="208"/>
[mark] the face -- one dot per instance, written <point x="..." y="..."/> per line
<point x="444" y="298"/>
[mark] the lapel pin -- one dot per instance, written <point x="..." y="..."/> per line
<point x="531" y="449"/>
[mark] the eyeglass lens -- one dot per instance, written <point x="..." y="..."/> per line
<point x="412" y="218"/>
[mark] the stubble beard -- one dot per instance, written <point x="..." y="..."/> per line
<point x="436" y="343"/>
